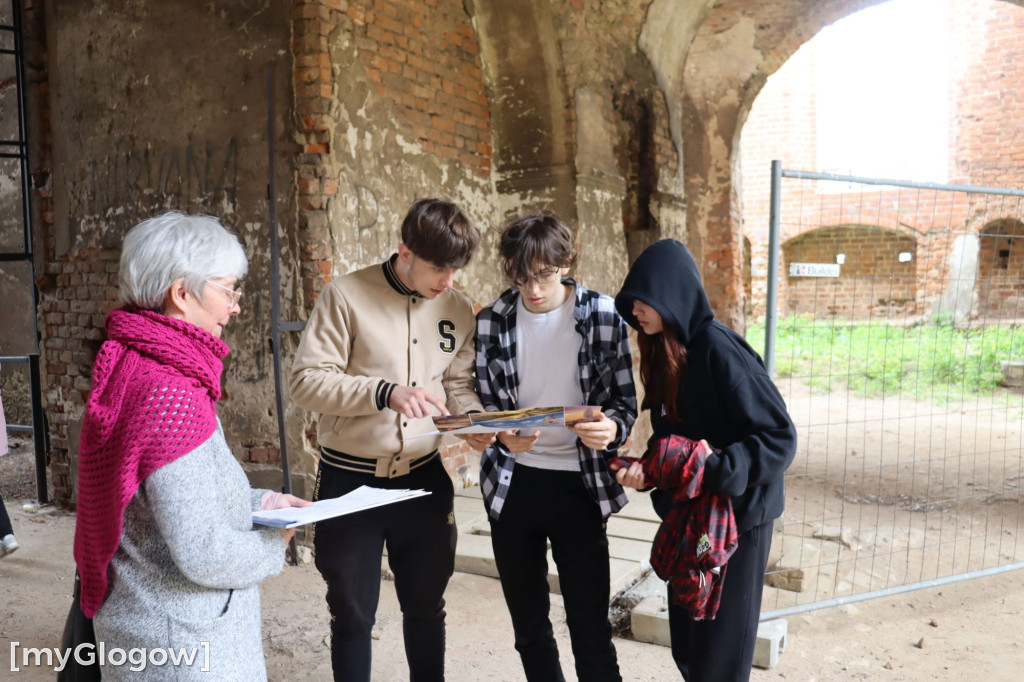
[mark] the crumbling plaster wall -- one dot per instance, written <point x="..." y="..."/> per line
<point x="158" y="106"/>
<point x="390" y="107"/>
<point x="391" y="101"/>
<point x="622" y="115"/>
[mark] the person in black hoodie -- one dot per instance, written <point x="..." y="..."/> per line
<point x="704" y="382"/>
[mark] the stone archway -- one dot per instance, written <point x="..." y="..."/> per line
<point x="711" y="77"/>
<point x="874" y="279"/>
<point x="1001" y="269"/>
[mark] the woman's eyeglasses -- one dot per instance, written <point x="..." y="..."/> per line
<point x="232" y="294"/>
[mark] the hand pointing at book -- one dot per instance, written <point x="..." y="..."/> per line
<point x="416" y="403"/>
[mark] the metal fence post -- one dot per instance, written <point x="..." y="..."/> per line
<point x="39" y="436"/>
<point x="771" y="304"/>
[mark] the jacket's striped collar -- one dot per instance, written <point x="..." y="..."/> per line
<point x="394" y="280"/>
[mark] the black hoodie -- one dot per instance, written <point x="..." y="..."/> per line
<point x="726" y="395"/>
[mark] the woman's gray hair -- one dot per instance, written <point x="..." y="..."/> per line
<point x="160" y="251"/>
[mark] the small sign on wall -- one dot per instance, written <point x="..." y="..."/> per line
<point x="813" y="269"/>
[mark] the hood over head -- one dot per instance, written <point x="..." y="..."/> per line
<point x="666" y="277"/>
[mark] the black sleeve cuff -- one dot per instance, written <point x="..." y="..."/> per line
<point x="615" y="442"/>
<point x="382" y="394"/>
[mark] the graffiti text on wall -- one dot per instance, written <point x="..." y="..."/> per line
<point x="376" y="242"/>
<point x="186" y="179"/>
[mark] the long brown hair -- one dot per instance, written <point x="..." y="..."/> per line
<point x="662" y="368"/>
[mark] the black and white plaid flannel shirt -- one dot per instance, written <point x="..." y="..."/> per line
<point x="606" y="377"/>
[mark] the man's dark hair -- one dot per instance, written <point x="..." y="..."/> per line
<point x="439" y="232"/>
<point x="537" y="238"/>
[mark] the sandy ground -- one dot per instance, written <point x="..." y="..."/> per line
<point x="963" y="631"/>
<point x="861" y="481"/>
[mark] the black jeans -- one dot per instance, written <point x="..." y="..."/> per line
<point x="5" y="521"/>
<point x="722" y="650"/>
<point x="555" y="505"/>
<point x="420" y="534"/>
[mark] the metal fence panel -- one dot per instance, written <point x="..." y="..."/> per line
<point x="899" y="310"/>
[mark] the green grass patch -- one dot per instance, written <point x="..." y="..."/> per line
<point x="928" y="361"/>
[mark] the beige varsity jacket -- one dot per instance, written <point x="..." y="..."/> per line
<point x="363" y="335"/>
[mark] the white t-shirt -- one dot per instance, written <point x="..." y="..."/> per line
<point x="547" y="347"/>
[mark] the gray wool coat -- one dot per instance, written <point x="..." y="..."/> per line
<point x="187" y="572"/>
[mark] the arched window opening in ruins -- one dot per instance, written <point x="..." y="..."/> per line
<point x="1001" y="269"/>
<point x="872" y="278"/>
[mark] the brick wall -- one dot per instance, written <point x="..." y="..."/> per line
<point x="91" y="182"/>
<point x="872" y="280"/>
<point x="316" y="178"/>
<point x="987" y="149"/>
<point x="988" y="93"/>
<point x="420" y="57"/>
<point x="72" y="333"/>
<point x="1001" y="270"/>
<point x="424" y="57"/>
<point x="421" y="61"/>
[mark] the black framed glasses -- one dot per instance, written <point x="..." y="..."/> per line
<point x="542" y="277"/>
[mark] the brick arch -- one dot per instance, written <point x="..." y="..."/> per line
<point x="869" y="212"/>
<point x="711" y="80"/>
<point x="1001" y="269"/>
<point x="872" y="279"/>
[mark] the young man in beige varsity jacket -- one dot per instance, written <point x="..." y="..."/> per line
<point x="385" y="348"/>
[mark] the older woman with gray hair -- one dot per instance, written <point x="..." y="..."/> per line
<point x="165" y="546"/>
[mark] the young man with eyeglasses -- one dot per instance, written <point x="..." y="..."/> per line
<point x="385" y="348"/>
<point x="549" y="341"/>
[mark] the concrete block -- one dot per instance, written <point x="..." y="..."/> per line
<point x="473" y="554"/>
<point x="469" y="513"/>
<point x="638" y="551"/>
<point x="771" y="641"/>
<point x="623" y="573"/>
<point x="649" y="621"/>
<point x="630" y="528"/>
<point x="795" y="564"/>
<point x="478" y="527"/>
<point x="639" y="507"/>
<point x="472" y="492"/>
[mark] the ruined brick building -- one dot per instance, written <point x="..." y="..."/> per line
<point x="897" y="242"/>
<point x="624" y="116"/>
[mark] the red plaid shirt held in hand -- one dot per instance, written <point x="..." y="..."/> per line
<point x="698" y="535"/>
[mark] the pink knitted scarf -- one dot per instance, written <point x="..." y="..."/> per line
<point x="155" y="384"/>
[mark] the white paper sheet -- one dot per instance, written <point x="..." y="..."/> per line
<point x="359" y="499"/>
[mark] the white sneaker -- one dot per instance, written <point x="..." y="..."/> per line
<point x="8" y="545"/>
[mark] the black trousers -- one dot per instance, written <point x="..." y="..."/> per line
<point x="420" y="535"/>
<point x="5" y="521"/>
<point x="555" y="505"/>
<point x="722" y="650"/>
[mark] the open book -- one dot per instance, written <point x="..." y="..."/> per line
<point x="363" y="497"/>
<point x="527" y="418"/>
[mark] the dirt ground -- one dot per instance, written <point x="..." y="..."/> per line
<point x="967" y="630"/>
